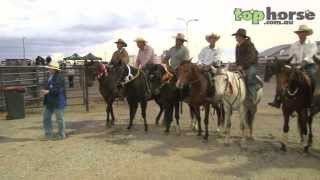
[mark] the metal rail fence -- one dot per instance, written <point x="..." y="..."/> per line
<point x="33" y="79"/>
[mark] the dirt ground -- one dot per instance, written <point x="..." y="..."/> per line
<point x="93" y="152"/>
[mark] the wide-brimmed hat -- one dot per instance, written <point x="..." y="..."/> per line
<point x="121" y="41"/>
<point x="140" y="39"/>
<point x="304" y="28"/>
<point x="240" y="32"/>
<point x="54" y="65"/>
<point x="213" y="35"/>
<point x="180" y="36"/>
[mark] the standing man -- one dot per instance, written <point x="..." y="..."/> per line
<point x="246" y="60"/>
<point x="145" y="55"/>
<point x="54" y="101"/>
<point x="120" y="55"/>
<point x="177" y="53"/>
<point x="301" y="53"/>
<point x="210" y="55"/>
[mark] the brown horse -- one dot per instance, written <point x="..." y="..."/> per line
<point x="295" y="89"/>
<point x="189" y="74"/>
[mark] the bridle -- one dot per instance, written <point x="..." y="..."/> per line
<point x="226" y="87"/>
<point x="130" y="77"/>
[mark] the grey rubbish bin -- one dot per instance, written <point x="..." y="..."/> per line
<point x="14" y="97"/>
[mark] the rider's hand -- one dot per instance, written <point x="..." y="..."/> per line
<point x="239" y="68"/>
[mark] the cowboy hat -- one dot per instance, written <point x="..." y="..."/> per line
<point x="304" y="28"/>
<point x="180" y="36"/>
<point x="240" y="32"/>
<point x="212" y="35"/>
<point x="140" y="39"/>
<point x="54" y="65"/>
<point x="121" y="41"/>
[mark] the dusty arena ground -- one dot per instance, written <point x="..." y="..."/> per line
<point x="93" y="152"/>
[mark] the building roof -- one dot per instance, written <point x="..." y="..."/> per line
<point x="284" y="49"/>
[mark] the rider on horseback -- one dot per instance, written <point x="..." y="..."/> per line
<point x="210" y="56"/>
<point x="246" y="60"/>
<point x="178" y="53"/>
<point x="301" y="53"/>
<point x="145" y="56"/>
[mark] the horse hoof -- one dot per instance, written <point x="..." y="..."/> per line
<point x="306" y="149"/>
<point x="129" y="127"/>
<point x="205" y="139"/>
<point x="226" y="144"/>
<point x="250" y="138"/>
<point x="166" y="132"/>
<point x="283" y="148"/>
<point x="146" y="129"/>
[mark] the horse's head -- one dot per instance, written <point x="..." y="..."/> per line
<point x="297" y="79"/>
<point x="221" y="82"/>
<point x="154" y="74"/>
<point x="186" y="73"/>
<point x="94" y="70"/>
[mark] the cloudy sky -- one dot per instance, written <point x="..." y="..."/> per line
<point x="62" y="27"/>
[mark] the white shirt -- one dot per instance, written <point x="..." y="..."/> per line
<point x="209" y="56"/>
<point x="303" y="53"/>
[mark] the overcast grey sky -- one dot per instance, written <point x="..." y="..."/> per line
<point x="62" y="27"/>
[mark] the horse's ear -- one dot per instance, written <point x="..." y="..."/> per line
<point x="214" y="70"/>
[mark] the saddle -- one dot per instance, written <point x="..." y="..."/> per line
<point x="259" y="81"/>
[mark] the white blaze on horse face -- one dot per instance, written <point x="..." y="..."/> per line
<point x="220" y="83"/>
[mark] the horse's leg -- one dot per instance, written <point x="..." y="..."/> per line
<point x="159" y="114"/>
<point x="206" y="121"/>
<point x="168" y="112"/>
<point x="177" y="117"/>
<point x="193" y="123"/>
<point x="286" y="116"/>
<point x="310" y="119"/>
<point x="196" y="111"/>
<point x="244" y="112"/>
<point x="143" y="113"/>
<point x="227" y="124"/>
<point x="108" y="114"/>
<point x="112" y="114"/>
<point x="250" y="119"/>
<point x="133" y="110"/>
<point x="303" y="119"/>
<point x="221" y="117"/>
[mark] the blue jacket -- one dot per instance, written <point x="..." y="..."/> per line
<point x="56" y="98"/>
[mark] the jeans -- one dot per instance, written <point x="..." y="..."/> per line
<point x="311" y="70"/>
<point x="251" y="82"/>
<point x="47" y="121"/>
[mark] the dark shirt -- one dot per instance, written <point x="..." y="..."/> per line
<point x="246" y="54"/>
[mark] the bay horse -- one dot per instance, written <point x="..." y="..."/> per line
<point x="131" y="81"/>
<point x="189" y="74"/>
<point x="296" y="89"/>
<point x="230" y="89"/>
<point x="107" y="87"/>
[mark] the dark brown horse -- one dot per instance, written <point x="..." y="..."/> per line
<point x="189" y="74"/>
<point x="107" y="87"/>
<point x="297" y="99"/>
<point x="295" y="89"/>
<point x="131" y="81"/>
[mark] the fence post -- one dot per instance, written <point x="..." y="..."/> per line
<point x="86" y="89"/>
